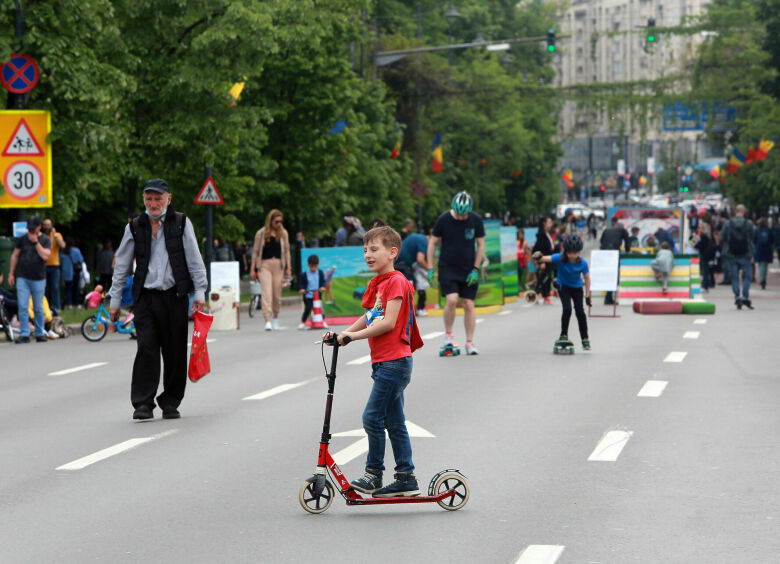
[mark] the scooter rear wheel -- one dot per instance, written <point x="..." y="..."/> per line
<point x="312" y="503"/>
<point x="452" y="481"/>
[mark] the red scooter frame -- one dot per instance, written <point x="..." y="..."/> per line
<point x="448" y="488"/>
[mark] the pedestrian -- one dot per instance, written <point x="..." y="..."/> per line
<point x="725" y="257"/>
<point x="168" y="268"/>
<point x="462" y="236"/>
<point x="28" y="272"/>
<point x="106" y="264"/>
<point x="239" y="255"/>
<point x="270" y="262"/>
<point x="53" y="273"/>
<point x="611" y="239"/>
<point x="522" y="257"/>
<point x="347" y="226"/>
<point x="544" y="244"/>
<point x="572" y="271"/>
<point x="738" y="242"/>
<point x="764" y="249"/>
<point x="355" y="231"/>
<point x="391" y="329"/>
<point x="407" y="228"/>
<point x="71" y="261"/>
<point x="776" y="237"/>
<point x="663" y="264"/>
<point x="311" y="280"/>
<point x="329" y="299"/>
<point x="703" y="243"/>
<point x="413" y="263"/>
<point x="634" y="239"/>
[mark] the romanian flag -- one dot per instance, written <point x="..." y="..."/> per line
<point x="751" y="156"/>
<point x="437" y="160"/>
<point x="642" y="180"/>
<point x="396" y="150"/>
<point x="735" y="162"/>
<point x="715" y="172"/>
<point x="763" y="149"/>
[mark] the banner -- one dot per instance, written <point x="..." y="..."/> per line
<point x="509" y="260"/>
<point x="659" y="222"/>
<point x="346" y="278"/>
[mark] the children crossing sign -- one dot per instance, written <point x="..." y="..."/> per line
<point x="209" y="195"/>
<point x="25" y="163"/>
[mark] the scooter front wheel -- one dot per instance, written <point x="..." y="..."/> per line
<point x="315" y="503"/>
<point x="452" y="481"/>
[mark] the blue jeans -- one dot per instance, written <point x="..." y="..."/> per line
<point x="53" y="287"/>
<point x="385" y="410"/>
<point x="24" y="288"/>
<point x="743" y="264"/>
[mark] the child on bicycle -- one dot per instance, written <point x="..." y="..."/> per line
<point x="391" y="329"/>
<point x="572" y="270"/>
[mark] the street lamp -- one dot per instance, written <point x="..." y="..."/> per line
<point x="452" y="13"/>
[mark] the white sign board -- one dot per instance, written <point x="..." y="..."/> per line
<point x="20" y="228"/>
<point x="226" y="274"/>
<point x="621" y="167"/>
<point x="604" y="270"/>
<point x="650" y="165"/>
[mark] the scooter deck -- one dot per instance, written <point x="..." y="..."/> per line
<point x="449" y="350"/>
<point x="398" y="499"/>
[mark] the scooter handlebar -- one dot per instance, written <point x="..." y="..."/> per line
<point x="333" y="340"/>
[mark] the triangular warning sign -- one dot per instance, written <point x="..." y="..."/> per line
<point x="208" y="194"/>
<point x="22" y="142"/>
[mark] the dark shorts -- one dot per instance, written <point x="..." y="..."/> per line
<point x="450" y="283"/>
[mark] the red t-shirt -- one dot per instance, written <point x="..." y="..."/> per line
<point x="389" y="346"/>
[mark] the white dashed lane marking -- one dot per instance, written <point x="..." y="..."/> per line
<point x="540" y="554"/>
<point x="700" y="322"/>
<point x="77" y="369"/>
<point x="433" y="335"/>
<point x="691" y="335"/>
<point x="277" y="390"/>
<point x="360" y="360"/>
<point x="610" y="446"/>
<point x="675" y="356"/>
<point x="652" y="389"/>
<point x="112" y="451"/>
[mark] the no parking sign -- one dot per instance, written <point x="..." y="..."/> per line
<point x="25" y="161"/>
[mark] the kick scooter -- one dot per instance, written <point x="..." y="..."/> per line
<point x="448" y="488"/>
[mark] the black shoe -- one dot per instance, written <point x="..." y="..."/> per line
<point x="41" y="339"/>
<point x="170" y="412"/>
<point x="405" y="485"/>
<point x="143" y="412"/>
<point x="369" y="483"/>
<point x="22" y="340"/>
<point x="763" y="284"/>
<point x="748" y="304"/>
<point x="738" y="303"/>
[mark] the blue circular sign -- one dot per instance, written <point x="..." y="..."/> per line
<point x="20" y="74"/>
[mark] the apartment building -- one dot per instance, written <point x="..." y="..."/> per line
<point x="608" y="44"/>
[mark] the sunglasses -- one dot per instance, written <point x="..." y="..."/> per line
<point x="276" y="221"/>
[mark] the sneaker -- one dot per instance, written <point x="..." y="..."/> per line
<point x="143" y="412"/>
<point x="470" y="348"/>
<point x="586" y="344"/>
<point x="275" y="324"/>
<point x="369" y="483"/>
<point x="267" y="325"/>
<point x="22" y="340"/>
<point x="547" y="301"/>
<point x="325" y="325"/>
<point x="665" y="290"/>
<point x="763" y="284"/>
<point x="52" y="335"/>
<point x="449" y="338"/>
<point x="302" y="326"/>
<point x="170" y="412"/>
<point x="405" y="485"/>
<point x="421" y="313"/>
<point x="738" y="303"/>
<point x="41" y="339"/>
<point x="748" y="303"/>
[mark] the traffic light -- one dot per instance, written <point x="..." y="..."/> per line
<point x="603" y="188"/>
<point x="651" y="30"/>
<point x="551" y="40"/>
<point x="684" y="188"/>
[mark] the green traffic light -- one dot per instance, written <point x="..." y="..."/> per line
<point x="551" y="48"/>
<point x="651" y="38"/>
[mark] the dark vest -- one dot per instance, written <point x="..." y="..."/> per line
<point x="173" y="230"/>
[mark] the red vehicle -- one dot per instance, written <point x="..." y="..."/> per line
<point x="448" y="488"/>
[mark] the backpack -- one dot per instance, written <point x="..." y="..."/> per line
<point x="738" y="243"/>
<point x="763" y="237"/>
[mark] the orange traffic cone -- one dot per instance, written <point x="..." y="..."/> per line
<point x="317" y="321"/>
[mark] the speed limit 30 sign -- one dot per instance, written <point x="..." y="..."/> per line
<point x="25" y="161"/>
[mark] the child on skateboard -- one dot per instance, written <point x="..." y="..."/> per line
<point x="390" y="327"/>
<point x="572" y="271"/>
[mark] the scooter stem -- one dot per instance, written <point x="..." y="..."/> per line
<point x="325" y="439"/>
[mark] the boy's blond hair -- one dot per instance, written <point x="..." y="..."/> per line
<point x="388" y="236"/>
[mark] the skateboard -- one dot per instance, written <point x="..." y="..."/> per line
<point x="449" y="349"/>
<point x="563" y="347"/>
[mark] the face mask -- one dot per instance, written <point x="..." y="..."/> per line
<point x="156" y="216"/>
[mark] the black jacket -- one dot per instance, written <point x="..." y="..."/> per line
<point x="612" y="237"/>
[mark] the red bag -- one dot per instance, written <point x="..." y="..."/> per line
<point x="199" y="357"/>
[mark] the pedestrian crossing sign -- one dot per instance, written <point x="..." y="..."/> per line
<point x="22" y="142"/>
<point x="209" y="195"/>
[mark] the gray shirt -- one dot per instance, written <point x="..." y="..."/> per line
<point x="160" y="274"/>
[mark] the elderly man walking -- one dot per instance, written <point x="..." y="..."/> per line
<point x="738" y="240"/>
<point x="168" y="267"/>
<point x="28" y="272"/>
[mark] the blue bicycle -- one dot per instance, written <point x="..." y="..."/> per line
<point x="95" y="327"/>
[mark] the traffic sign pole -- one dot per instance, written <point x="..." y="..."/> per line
<point x="209" y="250"/>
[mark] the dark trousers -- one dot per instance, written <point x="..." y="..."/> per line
<point x="421" y="299"/>
<point x="567" y="294"/>
<point x="308" y="304"/>
<point x="161" y="326"/>
<point x="544" y="281"/>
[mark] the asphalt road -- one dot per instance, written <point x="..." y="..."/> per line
<point x="565" y="460"/>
